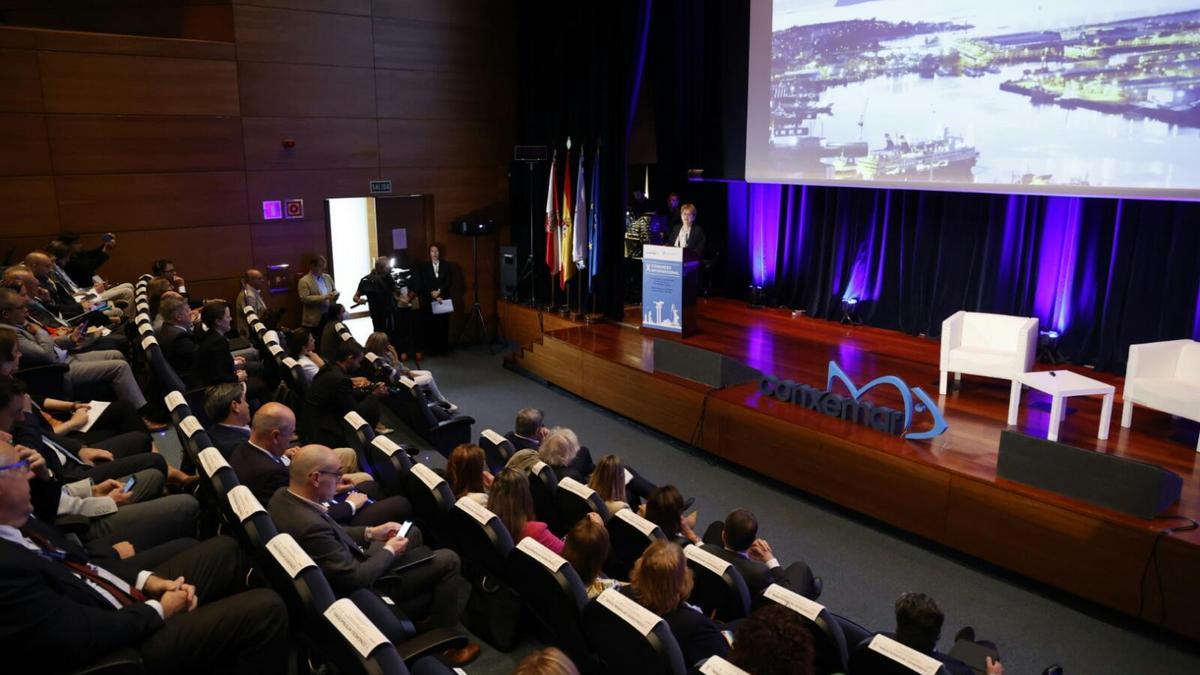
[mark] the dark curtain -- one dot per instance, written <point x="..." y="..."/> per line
<point x="1102" y="273"/>
<point x="580" y="71"/>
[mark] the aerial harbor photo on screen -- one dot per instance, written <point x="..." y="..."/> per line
<point x="1090" y="94"/>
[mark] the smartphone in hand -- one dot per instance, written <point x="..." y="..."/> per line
<point x="129" y="484"/>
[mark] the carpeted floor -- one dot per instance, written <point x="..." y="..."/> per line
<point x="865" y="565"/>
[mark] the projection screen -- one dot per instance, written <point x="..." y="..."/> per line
<point x="1083" y="97"/>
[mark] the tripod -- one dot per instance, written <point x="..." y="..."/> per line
<point x="475" y="316"/>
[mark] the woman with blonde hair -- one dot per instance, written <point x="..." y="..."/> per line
<point x="379" y="345"/>
<point x="548" y="661"/>
<point x="466" y="473"/>
<point x="608" y="480"/>
<point x="586" y="548"/>
<point x="661" y="582"/>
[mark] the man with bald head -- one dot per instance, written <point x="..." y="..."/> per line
<point x="261" y="464"/>
<point x="184" y="611"/>
<point x="253" y="284"/>
<point x="362" y="557"/>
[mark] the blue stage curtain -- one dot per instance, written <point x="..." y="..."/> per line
<point x="1103" y="273"/>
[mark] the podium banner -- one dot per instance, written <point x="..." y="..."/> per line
<point x="662" y="288"/>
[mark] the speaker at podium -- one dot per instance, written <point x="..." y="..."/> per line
<point x="670" y="280"/>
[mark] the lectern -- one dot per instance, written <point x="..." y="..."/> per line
<point x="670" y="279"/>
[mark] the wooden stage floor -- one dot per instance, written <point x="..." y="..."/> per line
<point x="944" y="489"/>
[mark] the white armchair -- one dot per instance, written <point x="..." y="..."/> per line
<point x="1164" y="376"/>
<point x="991" y="345"/>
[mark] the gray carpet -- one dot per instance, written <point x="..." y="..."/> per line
<point x="865" y="565"/>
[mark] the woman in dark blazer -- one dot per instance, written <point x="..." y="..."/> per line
<point x="661" y="582"/>
<point x="214" y="361"/>
<point x="434" y="282"/>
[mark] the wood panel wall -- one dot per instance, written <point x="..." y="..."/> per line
<point x="174" y="143"/>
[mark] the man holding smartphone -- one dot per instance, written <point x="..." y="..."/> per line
<point x="362" y="557"/>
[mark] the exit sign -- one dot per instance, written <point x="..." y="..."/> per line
<point x="381" y="187"/>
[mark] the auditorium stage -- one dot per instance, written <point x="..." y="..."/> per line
<point x="944" y="489"/>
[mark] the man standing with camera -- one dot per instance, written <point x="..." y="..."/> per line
<point x="380" y="291"/>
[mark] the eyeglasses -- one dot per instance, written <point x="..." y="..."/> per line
<point x="339" y="474"/>
<point x="20" y="467"/>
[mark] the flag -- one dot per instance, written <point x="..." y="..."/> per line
<point x="552" y="224"/>
<point x="579" y="238"/>
<point x="566" y="224"/>
<point x="594" y="237"/>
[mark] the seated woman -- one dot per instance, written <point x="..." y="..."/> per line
<point x="665" y="508"/>
<point x="586" y="548"/>
<point x="511" y="500"/>
<point x="467" y="474"/>
<point x="661" y="582"/>
<point x="302" y="347"/>
<point x="608" y="480"/>
<point x="214" y="361"/>
<point x="329" y="339"/>
<point x="378" y="344"/>
<point x="561" y="450"/>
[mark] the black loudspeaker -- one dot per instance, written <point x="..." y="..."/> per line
<point x="508" y="272"/>
<point x="474" y="227"/>
<point x="1134" y="488"/>
<point x="700" y="365"/>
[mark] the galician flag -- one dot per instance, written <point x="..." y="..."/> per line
<point x="567" y="224"/>
<point x="579" y="239"/>
<point x="553" y="231"/>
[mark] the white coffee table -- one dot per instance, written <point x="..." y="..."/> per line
<point x="1061" y="384"/>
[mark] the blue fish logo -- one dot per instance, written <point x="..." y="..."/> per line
<point x="907" y="393"/>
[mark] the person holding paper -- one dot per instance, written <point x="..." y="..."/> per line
<point x="434" y="283"/>
<point x="317" y="293"/>
<point x="357" y="557"/>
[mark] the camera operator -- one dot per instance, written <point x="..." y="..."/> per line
<point x="380" y="291"/>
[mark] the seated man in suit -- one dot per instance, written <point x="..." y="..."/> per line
<point x="401" y="567"/>
<point x="38" y="348"/>
<point x="175" y="336"/>
<point x="227" y="409"/>
<point x="262" y="461"/>
<point x="919" y="622"/>
<point x="528" y="430"/>
<point x="736" y="540"/>
<point x="187" y="612"/>
<point x="333" y="393"/>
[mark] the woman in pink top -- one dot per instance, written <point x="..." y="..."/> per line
<point x="511" y="500"/>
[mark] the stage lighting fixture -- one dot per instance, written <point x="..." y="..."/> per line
<point x="850" y="311"/>
<point x="757" y="297"/>
<point x="1048" y="347"/>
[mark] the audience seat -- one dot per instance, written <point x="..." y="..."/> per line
<point x="829" y="641"/>
<point x="482" y="541"/>
<point x="431" y="501"/>
<point x="867" y="661"/>
<point x="574" y="500"/>
<point x="543" y="484"/>
<point x="629" y="534"/>
<point x="496" y="449"/>
<point x="719" y="588"/>
<point x="551" y="590"/>
<point x="628" y="638"/>
<point x="415" y="410"/>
